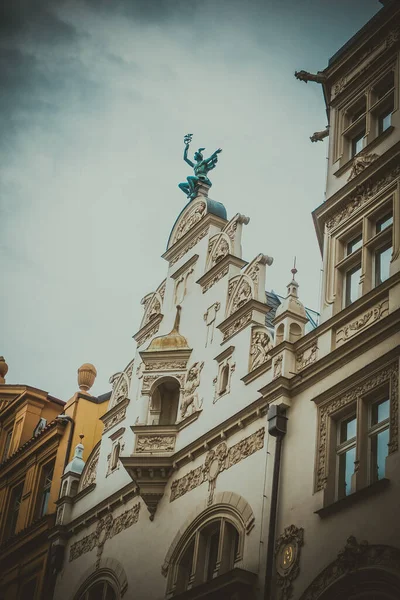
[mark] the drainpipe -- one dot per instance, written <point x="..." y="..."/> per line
<point x="63" y="417"/>
<point x="277" y="422"/>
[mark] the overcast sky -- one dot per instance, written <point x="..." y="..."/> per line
<point x="95" y="98"/>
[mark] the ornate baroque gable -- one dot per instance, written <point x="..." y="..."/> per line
<point x="89" y="472"/>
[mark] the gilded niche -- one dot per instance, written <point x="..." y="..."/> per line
<point x="217" y="460"/>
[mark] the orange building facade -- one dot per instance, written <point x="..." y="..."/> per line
<point x="38" y="435"/>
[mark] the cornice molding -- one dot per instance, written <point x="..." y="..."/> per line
<point x="219" y="270"/>
<point x="241" y="318"/>
<point x="148" y="330"/>
<point x="192" y="260"/>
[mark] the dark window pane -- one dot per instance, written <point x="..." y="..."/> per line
<point x="382" y="265"/>
<point x="346" y="470"/>
<point x="380" y="412"/>
<point x="96" y="591"/>
<point x="384" y="121"/>
<point x="384" y="85"/>
<point x="185" y="568"/>
<point x="7" y="445"/>
<point x="383" y="223"/>
<point x="348" y="429"/>
<point x="379" y="450"/>
<point x="352" y="281"/>
<point x="357" y="143"/>
<point x="354" y="244"/>
<point x="47" y="478"/>
<point x="15" y="503"/>
<point x="110" y="594"/>
<point x="213" y="544"/>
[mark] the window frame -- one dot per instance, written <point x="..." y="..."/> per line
<point x="373" y="241"/>
<point x="6" y="446"/>
<point x="362" y="112"/>
<point x="199" y="537"/>
<point x="12" y="513"/>
<point x="44" y="490"/>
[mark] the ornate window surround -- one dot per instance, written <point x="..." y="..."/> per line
<point x="356" y="399"/>
<point x="365" y="256"/>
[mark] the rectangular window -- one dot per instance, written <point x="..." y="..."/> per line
<point x="7" y="444"/>
<point x="385" y="120"/>
<point x="382" y="264"/>
<point x="379" y="437"/>
<point x="384" y="222"/>
<point x="352" y="284"/>
<point x="13" y="509"/>
<point x="354" y="245"/>
<point x="357" y="143"/>
<point x="45" y="487"/>
<point x="346" y="451"/>
<point x="28" y="590"/>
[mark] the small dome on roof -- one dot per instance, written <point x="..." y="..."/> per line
<point x="77" y="463"/>
<point x="172" y="341"/>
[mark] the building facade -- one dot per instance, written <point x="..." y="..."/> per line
<point x="37" y="437"/>
<point x="248" y="451"/>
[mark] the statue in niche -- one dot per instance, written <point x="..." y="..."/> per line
<point x="201" y="168"/>
<point x="260" y="347"/>
<point x="190" y="401"/>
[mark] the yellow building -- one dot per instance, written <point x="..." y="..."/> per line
<point x="38" y="435"/>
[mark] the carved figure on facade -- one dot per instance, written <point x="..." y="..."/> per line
<point x="190" y="397"/>
<point x="360" y="162"/>
<point x="305" y="76"/>
<point x="240" y="291"/>
<point x="152" y="307"/>
<point x="306" y="357"/>
<point x="89" y="472"/>
<point x="260" y="347"/>
<point x="319" y="136"/>
<point x="217" y="460"/>
<point x="278" y="366"/>
<point x="287" y="558"/>
<point x="120" y="388"/>
<point x="201" y="167"/>
<point x="107" y="527"/>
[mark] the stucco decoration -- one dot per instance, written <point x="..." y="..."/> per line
<point x="89" y="472"/>
<point x="217" y="460"/>
<point x="191" y="402"/>
<point x="388" y="375"/>
<point x="114" y="418"/>
<point x="191" y="244"/>
<point x="361" y="162"/>
<point x="362" y="322"/>
<point x="155" y="443"/>
<point x="260" y="346"/>
<point x="306" y="357"/>
<point x="287" y="558"/>
<point x="240" y="291"/>
<point x="196" y="211"/>
<point x="210" y="317"/>
<point x="107" y="527"/>
<point x="238" y="325"/>
<point x="120" y="388"/>
<point x="361" y="195"/>
<point x="278" y="366"/>
<point x="227" y="241"/>
<point x="152" y="307"/>
<point x="355" y="556"/>
<point x="217" y="277"/>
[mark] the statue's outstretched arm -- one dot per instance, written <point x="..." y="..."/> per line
<point x="185" y="156"/>
<point x="213" y="155"/>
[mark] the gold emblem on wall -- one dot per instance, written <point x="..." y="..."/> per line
<point x="287" y="557"/>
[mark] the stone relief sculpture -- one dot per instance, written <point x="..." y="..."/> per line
<point x="201" y="168"/>
<point x="90" y="469"/>
<point x="361" y="162"/>
<point x="190" y="397"/>
<point x="210" y="317"/>
<point x="260" y="347"/>
<point x="287" y="552"/>
<point x="319" y="136"/>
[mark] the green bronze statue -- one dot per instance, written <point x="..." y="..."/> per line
<point x="201" y="168"/>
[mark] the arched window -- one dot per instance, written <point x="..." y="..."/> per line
<point x="224" y="379"/>
<point x="115" y="456"/>
<point x="74" y="488"/>
<point x="279" y="334"/>
<point x="211" y="549"/>
<point x="100" y="590"/>
<point x="294" y="332"/>
<point x="164" y="403"/>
